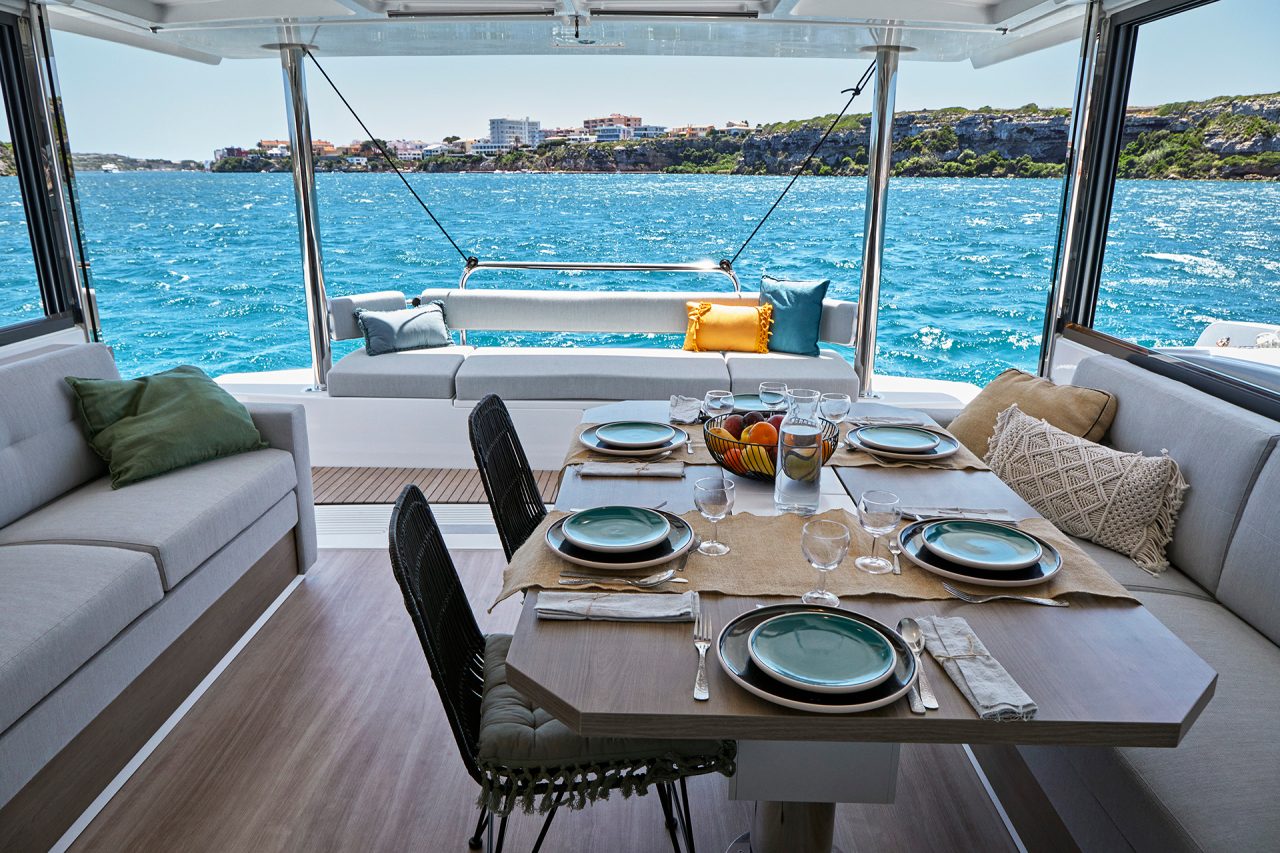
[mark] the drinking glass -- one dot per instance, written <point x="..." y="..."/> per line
<point x="835" y="407"/>
<point x="773" y="394"/>
<point x="717" y="403"/>
<point x="825" y="545"/>
<point x="713" y="496"/>
<point x="878" y="513"/>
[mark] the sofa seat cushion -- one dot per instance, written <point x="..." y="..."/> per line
<point x="59" y="606"/>
<point x="1135" y="578"/>
<point x="425" y="374"/>
<point x="180" y="518"/>
<point x="827" y="372"/>
<point x="589" y="373"/>
<point x="1217" y="790"/>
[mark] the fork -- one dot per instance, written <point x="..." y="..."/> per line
<point x="983" y="599"/>
<point x="701" y="642"/>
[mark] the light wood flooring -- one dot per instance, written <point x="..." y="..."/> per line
<point x="383" y="485"/>
<point x="326" y="734"/>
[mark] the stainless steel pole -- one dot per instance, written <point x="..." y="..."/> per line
<point x="880" y="163"/>
<point x="292" y="57"/>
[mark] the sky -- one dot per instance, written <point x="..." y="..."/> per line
<point x="129" y="101"/>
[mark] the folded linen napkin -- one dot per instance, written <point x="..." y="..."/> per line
<point x="632" y="469"/>
<point x="685" y="410"/>
<point x="619" y="606"/>
<point x="984" y="682"/>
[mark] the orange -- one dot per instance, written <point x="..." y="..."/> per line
<point x="762" y="433"/>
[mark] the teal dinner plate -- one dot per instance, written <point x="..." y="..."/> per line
<point x="899" y="439"/>
<point x="616" y="529"/>
<point x="982" y="544"/>
<point x="635" y="435"/>
<point x="822" y="652"/>
<point x="743" y="403"/>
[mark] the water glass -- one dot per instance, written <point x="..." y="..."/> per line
<point x="835" y="407"/>
<point x="718" y="403"/>
<point x="713" y="496"/>
<point x="825" y="545"/>
<point x="879" y="513"/>
<point x="773" y="394"/>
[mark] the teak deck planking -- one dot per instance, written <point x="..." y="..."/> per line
<point x="337" y="485"/>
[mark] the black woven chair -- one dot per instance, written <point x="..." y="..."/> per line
<point x="459" y="656"/>
<point x="504" y="470"/>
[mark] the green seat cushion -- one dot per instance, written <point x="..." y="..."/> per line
<point x="154" y="424"/>
<point x="405" y="329"/>
<point x="797" y="313"/>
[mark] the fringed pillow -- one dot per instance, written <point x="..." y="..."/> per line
<point x="1123" y="501"/>
<point x="731" y="328"/>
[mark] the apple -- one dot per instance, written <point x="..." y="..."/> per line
<point x="776" y="422"/>
<point x="733" y="425"/>
<point x="752" y="418"/>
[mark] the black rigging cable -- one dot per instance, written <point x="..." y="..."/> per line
<point x="855" y="92"/>
<point x="386" y="156"/>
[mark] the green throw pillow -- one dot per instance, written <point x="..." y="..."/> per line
<point x="154" y="424"/>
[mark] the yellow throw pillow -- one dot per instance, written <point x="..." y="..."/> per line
<point x="735" y="328"/>
<point x="1082" y="412"/>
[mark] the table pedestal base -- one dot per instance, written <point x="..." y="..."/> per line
<point x="789" y="828"/>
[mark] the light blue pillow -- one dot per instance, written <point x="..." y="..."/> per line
<point x="797" y="313"/>
<point x="406" y="329"/>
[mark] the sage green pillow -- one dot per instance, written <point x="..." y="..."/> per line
<point x="154" y="424"/>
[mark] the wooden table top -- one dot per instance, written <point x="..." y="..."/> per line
<point x="1101" y="672"/>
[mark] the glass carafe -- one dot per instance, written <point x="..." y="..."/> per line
<point x="799" y="463"/>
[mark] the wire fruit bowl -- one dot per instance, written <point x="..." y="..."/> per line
<point x="758" y="461"/>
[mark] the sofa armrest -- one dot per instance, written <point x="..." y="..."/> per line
<point x="284" y="427"/>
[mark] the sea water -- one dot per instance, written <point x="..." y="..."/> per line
<point x="204" y="268"/>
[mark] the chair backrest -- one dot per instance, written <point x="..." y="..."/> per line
<point x="438" y="605"/>
<point x="504" y="470"/>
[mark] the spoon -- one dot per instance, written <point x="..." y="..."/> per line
<point x="910" y="631"/>
<point x="644" y="583"/>
<point x="895" y="548"/>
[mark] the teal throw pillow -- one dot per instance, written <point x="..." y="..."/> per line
<point x="406" y="329"/>
<point x="797" y="313"/>
<point x="149" y="426"/>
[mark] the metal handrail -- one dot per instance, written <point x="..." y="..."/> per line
<point x="723" y="267"/>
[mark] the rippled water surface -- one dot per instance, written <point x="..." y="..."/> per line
<point x="204" y="269"/>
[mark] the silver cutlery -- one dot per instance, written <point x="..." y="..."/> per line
<point x="910" y="631"/>
<point x="643" y="583"/>
<point x="701" y="642"/>
<point x="983" y="599"/>
<point x="895" y="548"/>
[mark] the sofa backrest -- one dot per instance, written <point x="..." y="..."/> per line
<point x="617" y="311"/>
<point x="43" y="450"/>
<point x="1221" y="448"/>
<point x="1250" y="583"/>
<point x="342" y="311"/>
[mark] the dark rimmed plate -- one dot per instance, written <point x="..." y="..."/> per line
<point x="679" y="540"/>
<point x="735" y="658"/>
<point x="589" y="440"/>
<point x="616" y="529"/>
<point x="744" y="403"/>
<point x="947" y="446"/>
<point x="982" y="544"/>
<point x="635" y="435"/>
<point x="913" y="548"/>
<point x="822" y="652"/>
<point x="897" y="439"/>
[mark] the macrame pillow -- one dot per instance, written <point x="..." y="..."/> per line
<point x="1123" y="501"/>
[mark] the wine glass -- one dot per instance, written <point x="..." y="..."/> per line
<point x="718" y="403"/>
<point x="825" y="545"/>
<point x="835" y="407"/>
<point x="713" y="496"/>
<point x="879" y="513"/>
<point x="773" y="394"/>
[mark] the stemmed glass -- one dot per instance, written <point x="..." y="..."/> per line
<point x="773" y="394"/>
<point x="717" y="403"/>
<point x="835" y="407"/>
<point x="878" y="513"/>
<point x="825" y="545"/>
<point x="713" y="496"/>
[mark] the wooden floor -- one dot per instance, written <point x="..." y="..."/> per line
<point x="383" y="485"/>
<point x="326" y="734"/>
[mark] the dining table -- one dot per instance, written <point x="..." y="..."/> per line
<point x="1102" y="671"/>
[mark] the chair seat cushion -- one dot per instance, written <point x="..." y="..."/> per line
<point x="59" y="605"/>
<point x="422" y="374"/>
<point x="828" y="372"/>
<point x="181" y="518"/>
<point x="589" y="373"/>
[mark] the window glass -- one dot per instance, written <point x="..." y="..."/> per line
<point x="19" y="288"/>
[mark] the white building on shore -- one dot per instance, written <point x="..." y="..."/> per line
<point x="514" y="131"/>
<point x="614" y="133"/>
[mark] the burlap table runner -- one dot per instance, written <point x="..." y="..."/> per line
<point x="700" y="456"/>
<point x="846" y="458"/>
<point x="766" y="560"/>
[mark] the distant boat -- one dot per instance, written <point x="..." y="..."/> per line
<point x="110" y="167"/>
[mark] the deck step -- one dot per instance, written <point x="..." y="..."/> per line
<point x="343" y="485"/>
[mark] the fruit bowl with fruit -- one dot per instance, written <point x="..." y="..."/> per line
<point x="747" y="444"/>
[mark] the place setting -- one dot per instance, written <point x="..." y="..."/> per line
<point x="901" y="444"/>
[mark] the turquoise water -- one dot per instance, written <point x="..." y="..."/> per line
<point x="204" y="269"/>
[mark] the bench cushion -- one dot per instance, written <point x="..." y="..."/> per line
<point x="1250" y="583"/>
<point x="426" y="374"/>
<point x="59" y="605"/>
<point x="589" y="373"/>
<point x="1133" y="577"/>
<point x="828" y="372"/>
<point x="1219" y="447"/>
<point x="180" y="519"/>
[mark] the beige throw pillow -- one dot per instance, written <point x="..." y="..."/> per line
<point x="1085" y="412"/>
<point x="1123" y="501"/>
